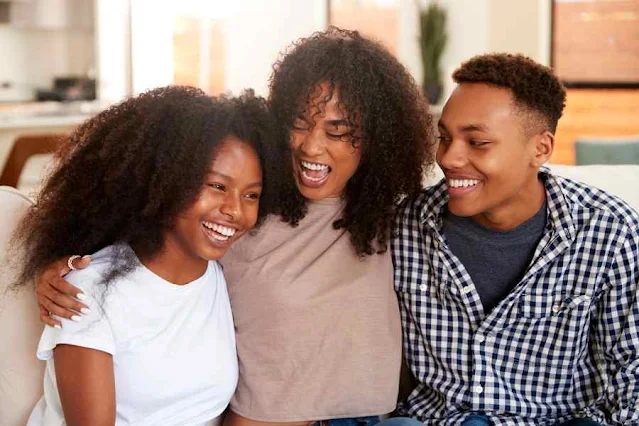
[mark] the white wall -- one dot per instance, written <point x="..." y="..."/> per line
<point x="476" y="27"/>
<point x="32" y="57"/>
<point x="263" y="29"/>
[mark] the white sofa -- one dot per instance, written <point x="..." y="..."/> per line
<point x="20" y="371"/>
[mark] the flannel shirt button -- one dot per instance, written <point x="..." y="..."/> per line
<point x="436" y="243"/>
<point x="481" y="338"/>
<point x="478" y="389"/>
<point x="422" y="287"/>
<point x="467" y="289"/>
<point x="556" y="308"/>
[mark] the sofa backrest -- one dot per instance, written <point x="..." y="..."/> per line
<point x="21" y="373"/>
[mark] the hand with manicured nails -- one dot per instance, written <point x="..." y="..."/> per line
<point x="56" y="296"/>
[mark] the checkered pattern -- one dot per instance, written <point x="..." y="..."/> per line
<point x="565" y="342"/>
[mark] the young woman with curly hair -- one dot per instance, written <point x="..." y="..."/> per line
<point x="316" y="318"/>
<point x="158" y="188"/>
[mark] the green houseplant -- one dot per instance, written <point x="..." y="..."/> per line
<point x="432" y="41"/>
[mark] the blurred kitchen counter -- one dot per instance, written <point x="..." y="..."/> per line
<point x="38" y="118"/>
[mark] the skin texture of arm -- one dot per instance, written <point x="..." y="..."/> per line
<point x="86" y="385"/>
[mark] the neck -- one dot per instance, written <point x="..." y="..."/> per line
<point x="516" y="211"/>
<point x="174" y="266"/>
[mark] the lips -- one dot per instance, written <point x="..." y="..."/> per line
<point x="314" y="174"/>
<point x="459" y="186"/>
<point x="218" y="234"/>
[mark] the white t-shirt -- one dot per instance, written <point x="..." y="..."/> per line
<point x="173" y="346"/>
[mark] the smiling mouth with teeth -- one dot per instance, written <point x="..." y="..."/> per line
<point x="462" y="183"/>
<point x="314" y="172"/>
<point x="219" y="232"/>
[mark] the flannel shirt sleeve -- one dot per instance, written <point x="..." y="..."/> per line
<point x="617" y="334"/>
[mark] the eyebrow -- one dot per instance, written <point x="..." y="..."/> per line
<point x="466" y="128"/>
<point x="227" y="177"/>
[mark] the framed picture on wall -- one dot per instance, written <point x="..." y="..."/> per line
<point x="595" y="43"/>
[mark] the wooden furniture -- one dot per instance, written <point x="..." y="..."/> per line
<point x="592" y="113"/>
<point x="23" y="148"/>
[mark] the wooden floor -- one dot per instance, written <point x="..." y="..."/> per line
<point x="595" y="112"/>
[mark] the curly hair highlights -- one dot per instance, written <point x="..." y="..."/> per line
<point x="125" y="174"/>
<point x="381" y="99"/>
<point x="535" y="87"/>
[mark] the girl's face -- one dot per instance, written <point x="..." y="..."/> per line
<point x="226" y="208"/>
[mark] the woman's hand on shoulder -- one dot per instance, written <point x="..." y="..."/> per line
<point x="55" y="295"/>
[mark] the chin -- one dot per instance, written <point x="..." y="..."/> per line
<point x="461" y="210"/>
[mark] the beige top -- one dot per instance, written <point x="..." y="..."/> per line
<point x="317" y="329"/>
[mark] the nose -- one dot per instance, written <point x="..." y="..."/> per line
<point x="232" y="207"/>
<point x="310" y="143"/>
<point x="452" y="155"/>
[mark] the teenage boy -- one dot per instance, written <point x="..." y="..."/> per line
<point x="518" y="288"/>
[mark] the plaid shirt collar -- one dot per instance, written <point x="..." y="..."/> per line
<point x="559" y="215"/>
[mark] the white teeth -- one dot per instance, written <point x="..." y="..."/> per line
<point x="313" y="179"/>
<point x="224" y="230"/>
<point x="462" y="183"/>
<point x="314" y="166"/>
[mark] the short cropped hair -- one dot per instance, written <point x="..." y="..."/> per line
<point x="535" y="87"/>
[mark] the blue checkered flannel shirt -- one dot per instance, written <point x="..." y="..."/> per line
<point x="563" y="344"/>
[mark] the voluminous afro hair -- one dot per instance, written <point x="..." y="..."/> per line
<point x="125" y="174"/>
<point x="381" y="99"/>
<point x="534" y="87"/>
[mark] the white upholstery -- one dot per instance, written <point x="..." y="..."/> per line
<point x="21" y="372"/>
<point x="619" y="180"/>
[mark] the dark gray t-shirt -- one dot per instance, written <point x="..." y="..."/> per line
<point x="496" y="261"/>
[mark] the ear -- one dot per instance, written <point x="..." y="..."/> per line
<point x="544" y="144"/>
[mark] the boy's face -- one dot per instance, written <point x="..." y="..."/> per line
<point x="489" y="159"/>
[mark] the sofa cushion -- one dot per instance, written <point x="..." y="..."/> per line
<point x="21" y="373"/>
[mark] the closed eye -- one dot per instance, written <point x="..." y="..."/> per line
<point x="476" y="143"/>
<point x="300" y="124"/>
<point x="338" y="136"/>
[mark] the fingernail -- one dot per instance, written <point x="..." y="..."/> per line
<point x="86" y="256"/>
<point x="85" y="311"/>
<point x="81" y="296"/>
<point x="76" y="318"/>
<point x="57" y="326"/>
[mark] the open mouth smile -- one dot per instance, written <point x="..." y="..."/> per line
<point x="314" y="174"/>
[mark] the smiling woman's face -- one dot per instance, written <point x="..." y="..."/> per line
<point x="324" y="156"/>
<point x="227" y="206"/>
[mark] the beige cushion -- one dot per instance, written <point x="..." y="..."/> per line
<point x="21" y="372"/>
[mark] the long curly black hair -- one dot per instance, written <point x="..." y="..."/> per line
<point x="379" y="95"/>
<point x="125" y="174"/>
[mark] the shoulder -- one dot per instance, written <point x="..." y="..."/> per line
<point x="428" y="201"/>
<point x="597" y="206"/>
<point x="102" y="263"/>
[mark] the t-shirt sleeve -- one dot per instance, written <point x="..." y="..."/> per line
<point x="93" y="331"/>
